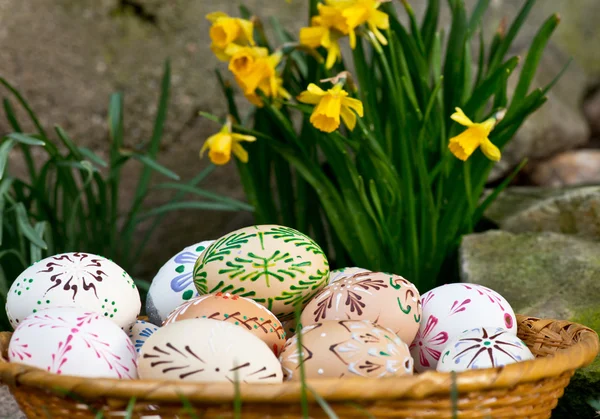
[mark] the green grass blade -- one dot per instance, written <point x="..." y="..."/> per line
<point x="26" y="106"/>
<point x="5" y="185"/>
<point x="323" y="403"/>
<point x="195" y="205"/>
<point x="478" y="12"/>
<point x="454" y="63"/>
<point x="130" y="407"/>
<point x="505" y="42"/>
<point x="93" y="157"/>
<point x="5" y="149"/>
<point x="154" y="165"/>
<point x="35" y="252"/>
<point x="26" y="228"/>
<point x="533" y="58"/>
<point x="25" y="139"/>
<point x="239" y="205"/>
<point x="430" y="23"/>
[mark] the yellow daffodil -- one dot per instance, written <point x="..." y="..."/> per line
<point x="357" y="12"/>
<point x="476" y="135"/>
<point x="331" y="104"/>
<point x="325" y="31"/>
<point x="223" y="143"/>
<point x="254" y="69"/>
<point x="226" y="30"/>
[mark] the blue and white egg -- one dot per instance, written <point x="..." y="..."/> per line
<point x="173" y="285"/>
<point x="140" y="332"/>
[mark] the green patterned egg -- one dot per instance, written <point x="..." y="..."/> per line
<point x="275" y="266"/>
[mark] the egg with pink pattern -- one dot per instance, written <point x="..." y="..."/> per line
<point x="451" y="309"/>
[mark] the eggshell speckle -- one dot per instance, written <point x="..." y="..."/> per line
<point x="237" y="310"/>
<point x="385" y="299"/>
<point x="342" y="273"/>
<point x="140" y="332"/>
<point x="82" y="280"/>
<point x="484" y="347"/>
<point x="276" y="266"/>
<point x="450" y="309"/>
<point x="173" y="284"/>
<point x="346" y="348"/>
<point x="209" y="351"/>
<point x="73" y="341"/>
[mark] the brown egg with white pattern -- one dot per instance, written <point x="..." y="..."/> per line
<point x="385" y="299"/>
<point x="346" y="348"/>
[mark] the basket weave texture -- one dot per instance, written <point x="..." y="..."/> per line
<point x="524" y="390"/>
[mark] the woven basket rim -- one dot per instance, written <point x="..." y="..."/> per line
<point x="419" y="386"/>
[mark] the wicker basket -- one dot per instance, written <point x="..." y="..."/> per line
<point x="525" y="390"/>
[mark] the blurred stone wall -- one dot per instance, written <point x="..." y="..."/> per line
<point x="67" y="56"/>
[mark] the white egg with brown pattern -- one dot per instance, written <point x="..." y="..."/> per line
<point x="242" y="312"/>
<point x="206" y="350"/>
<point x="385" y="299"/>
<point x="346" y="348"/>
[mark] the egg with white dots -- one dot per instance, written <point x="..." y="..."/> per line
<point x="346" y="348"/>
<point x="483" y="347"/>
<point x="140" y="332"/>
<point x="76" y="279"/>
<point x="173" y="284"/>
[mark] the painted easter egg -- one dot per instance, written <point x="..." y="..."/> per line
<point x="73" y="341"/>
<point x="346" y="348"/>
<point x="276" y="266"/>
<point x="450" y="309"/>
<point x="139" y="332"/>
<point x="483" y="347"/>
<point x="209" y="351"/>
<point x="341" y="273"/>
<point x="385" y="299"/>
<point x="83" y="280"/>
<point x="173" y="284"/>
<point x="237" y="310"/>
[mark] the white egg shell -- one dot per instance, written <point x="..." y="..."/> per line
<point x="450" y="309"/>
<point x="73" y="341"/>
<point x="173" y="284"/>
<point x="483" y="347"/>
<point x="78" y="279"/>
<point x="208" y="350"/>
<point x="140" y="332"/>
<point x="342" y="273"/>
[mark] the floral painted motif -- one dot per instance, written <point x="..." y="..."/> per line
<point x="74" y="272"/>
<point x="69" y="336"/>
<point x="140" y="332"/>
<point x="430" y="342"/>
<point x="186" y="276"/>
<point x="483" y="348"/>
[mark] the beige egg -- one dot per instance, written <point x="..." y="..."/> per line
<point x="385" y="299"/>
<point x="236" y="310"/>
<point x="206" y="350"/>
<point x="346" y="348"/>
<point x="276" y="266"/>
<point x="342" y="273"/>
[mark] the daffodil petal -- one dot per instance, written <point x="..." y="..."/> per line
<point x="247" y="30"/>
<point x="213" y="17"/>
<point x="348" y="117"/>
<point x="468" y="142"/>
<point x="488" y="125"/>
<point x="460" y="117"/>
<point x="242" y="137"/>
<point x="333" y="52"/>
<point x="239" y="152"/>
<point x="490" y="150"/>
<point x="354" y="104"/>
<point x="380" y="19"/>
<point x="312" y="37"/>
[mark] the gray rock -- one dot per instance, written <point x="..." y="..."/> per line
<point x="574" y="211"/>
<point x="9" y="409"/>
<point x="591" y="109"/>
<point x="545" y="275"/>
<point x="577" y="167"/>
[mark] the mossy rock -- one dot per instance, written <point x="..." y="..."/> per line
<point x="546" y="275"/>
